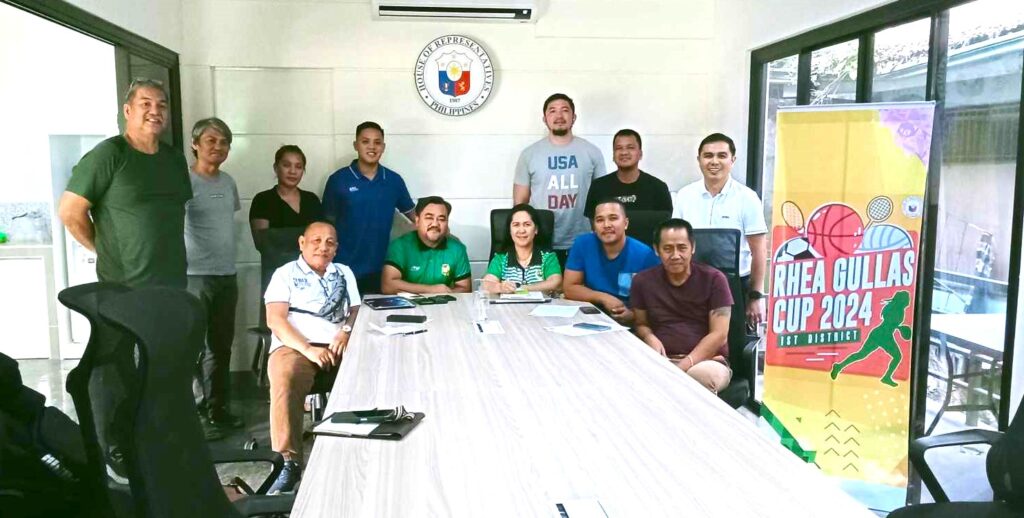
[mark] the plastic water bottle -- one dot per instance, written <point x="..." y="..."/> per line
<point x="479" y="301"/>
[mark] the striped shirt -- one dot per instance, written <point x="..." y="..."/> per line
<point x="543" y="264"/>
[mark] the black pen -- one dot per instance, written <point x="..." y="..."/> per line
<point x="479" y="327"/>
<point x="414" y="332"/>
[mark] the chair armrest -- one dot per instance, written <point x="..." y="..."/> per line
<point x="235" y="455"/>
<point x="921" y="445"/>
<point x="750" y="350"/>
<point x="259" y="505"/>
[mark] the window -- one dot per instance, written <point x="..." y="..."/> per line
<point x="834" y="74"/>
<point x="900" y="63"/>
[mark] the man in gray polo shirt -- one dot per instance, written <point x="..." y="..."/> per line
<point x="555" y="173"/>
<point x="210" y="250"/>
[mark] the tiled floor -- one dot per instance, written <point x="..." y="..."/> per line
<point x="964" y="468"/>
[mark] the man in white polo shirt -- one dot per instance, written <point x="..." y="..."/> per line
<point x="311" y="306"/>
<point x="718" y="201"/>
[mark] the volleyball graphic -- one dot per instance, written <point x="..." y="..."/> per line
<point x="796" y="249"/>
<point x="835" y="229"/>
<point x="884" y="237"/>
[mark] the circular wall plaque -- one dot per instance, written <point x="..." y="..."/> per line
<point x="454" y="75"/>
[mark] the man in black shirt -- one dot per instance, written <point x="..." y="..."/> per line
<point x="636" y="189"/>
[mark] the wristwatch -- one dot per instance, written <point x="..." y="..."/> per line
<point x="347" y="328"/>
<point x="755" y="295"/>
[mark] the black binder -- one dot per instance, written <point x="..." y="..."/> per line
<point x="388" y="430"/>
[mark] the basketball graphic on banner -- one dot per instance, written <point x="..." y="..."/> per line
<point x="835" y="229"/>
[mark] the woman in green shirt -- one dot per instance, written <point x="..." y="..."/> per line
<point x="521" y="264"/>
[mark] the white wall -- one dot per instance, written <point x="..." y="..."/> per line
<point x="307" y="73"/>
<point x="36" y="101"/>
<point x="156" y="20"/>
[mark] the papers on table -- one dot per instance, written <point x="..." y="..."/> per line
<point x="354" y="429"/>
<point x="572" y="330"/>
<point x="555" y="310"/>
<point x="489" y="327"/>
<point x="402" y="329"/>
<point x="523" y="295"/>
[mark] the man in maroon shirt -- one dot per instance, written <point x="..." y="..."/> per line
<point x="682" y="308"/>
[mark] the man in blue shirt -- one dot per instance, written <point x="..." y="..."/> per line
<point x="361" y="199"/>
<point x="601" y="264"/>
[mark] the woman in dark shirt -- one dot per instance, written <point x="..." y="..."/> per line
<point x="285" y="205"/>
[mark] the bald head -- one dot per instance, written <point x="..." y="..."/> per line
<point x="318" y="243"/>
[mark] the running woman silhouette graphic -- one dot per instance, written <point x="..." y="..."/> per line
<point x="882" y="337"/>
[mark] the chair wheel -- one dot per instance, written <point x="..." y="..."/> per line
<point x="251" y="444"/>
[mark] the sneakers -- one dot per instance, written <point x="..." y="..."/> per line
<point x="287" y="479"/>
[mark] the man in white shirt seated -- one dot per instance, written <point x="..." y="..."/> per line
<point x="311" y="306"/>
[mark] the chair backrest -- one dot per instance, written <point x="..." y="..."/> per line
<point x="720" y="248"/>
<point x="1005" y="463"/>
<point x="643" y="222"/>
<point x="277" y="246"/>
<point x="168" y="461"/>
<point x="102" y="387"/>
<point x="499" y="229"/>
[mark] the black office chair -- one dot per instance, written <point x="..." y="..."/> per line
<point x="499" y="229"/>
<point x="105" y="387"/>
<point x="42" y="458"/>
<point x="1004" y="466"/>
<point x="643" y="222"/>
<point x="102" y="388"/>
<point x="720" y="248"/>
<point x="279" y="246"/>
<point x="168" y="464"/>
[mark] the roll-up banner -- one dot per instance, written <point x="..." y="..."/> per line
<point x="846" y="225"/>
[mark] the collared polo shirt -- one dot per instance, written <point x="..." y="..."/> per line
<point x="363" y="211"/>
<point x="317" y="306"/>
<point x="543" y="264"/>
<point x="447" y="263"/>
<point x="737" y="206"/>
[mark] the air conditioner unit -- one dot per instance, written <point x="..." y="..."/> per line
<point x="470" y="10"/>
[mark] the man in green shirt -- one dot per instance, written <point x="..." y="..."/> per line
<point x="427" y="260"/>
<point x="126" y="198"/>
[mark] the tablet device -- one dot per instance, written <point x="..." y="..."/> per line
<point x="380" y="303"/>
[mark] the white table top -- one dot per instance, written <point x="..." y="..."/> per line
<point x="982" y="332"/>
<point x="518" y="422"/>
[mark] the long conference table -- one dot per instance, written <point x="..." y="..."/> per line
<point x="518" y="422"/>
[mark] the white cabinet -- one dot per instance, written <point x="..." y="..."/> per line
<point x="23" y="308"/>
